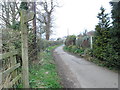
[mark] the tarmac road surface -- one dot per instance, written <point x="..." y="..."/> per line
<point x="77" y="72"/>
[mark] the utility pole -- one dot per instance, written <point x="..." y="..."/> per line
<point x="91" y="42"/>
<point x="68" y="32"/>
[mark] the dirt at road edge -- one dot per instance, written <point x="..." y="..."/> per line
<point x="67" y="77"/>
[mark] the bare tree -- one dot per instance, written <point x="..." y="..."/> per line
<point x="12" y="6"/>
<point x="9" y="13"/>
<point x="5" y="13"/>
<point x="48" y="8"/>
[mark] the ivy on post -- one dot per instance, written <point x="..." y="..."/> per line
<point x="25" y="17"/>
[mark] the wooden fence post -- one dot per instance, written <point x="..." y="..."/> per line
<point x="0" y="57"/>
<point x="25" y="17"/>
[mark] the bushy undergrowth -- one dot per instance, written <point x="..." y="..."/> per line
<point x="43" y="44"/>
<point x="74" y="49"/>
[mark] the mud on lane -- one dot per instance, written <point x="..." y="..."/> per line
<point x="79" y="73"/>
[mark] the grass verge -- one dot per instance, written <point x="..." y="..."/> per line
<point x="43" y="73"/>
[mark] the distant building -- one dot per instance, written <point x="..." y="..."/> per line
<point x="91" y="33"/>
<point x="115" y="1"/>
<point x="52" y="39"/>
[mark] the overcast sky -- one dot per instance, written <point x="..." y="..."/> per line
<point x="78" y="15"/>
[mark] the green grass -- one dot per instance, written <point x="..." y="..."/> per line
<point x="43" y="74"/>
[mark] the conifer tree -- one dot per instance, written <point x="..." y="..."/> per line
<point x="115" y="32"/>
<point x="102" y="34"/>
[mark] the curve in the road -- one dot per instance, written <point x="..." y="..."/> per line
<point x="84" y="74"/>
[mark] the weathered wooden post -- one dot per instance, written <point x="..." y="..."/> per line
<point x="25" y="17"/>
<point x="0" y="57"/>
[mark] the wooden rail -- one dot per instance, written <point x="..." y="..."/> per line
<point x="8" y="54"/>
<point x="11" y="71"/>
<point x="9" y="74"/>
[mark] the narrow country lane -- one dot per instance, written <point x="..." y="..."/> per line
<point x="80" y="73"/>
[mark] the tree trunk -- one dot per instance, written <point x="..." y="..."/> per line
<point x="34" y="31"/>
<point x="47" y="36"/>
<point x="48" y="27"/>
<point x="13" y="13"/>
<point x="7" y="13"/>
